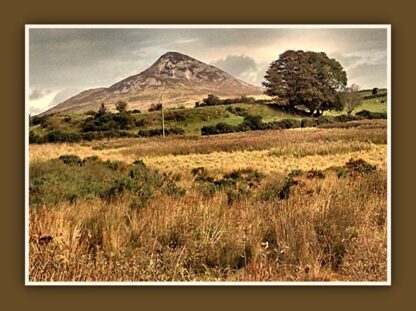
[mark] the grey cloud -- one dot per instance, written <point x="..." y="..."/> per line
<point x="64" y="95"/>
<point x="236" y="65"/>
<point x="243" y="67"/>
<point x="86" y="58"/>
<point x="346" y="60"/>
<point x="38" y="93"/>
<point x="368" y="75"/>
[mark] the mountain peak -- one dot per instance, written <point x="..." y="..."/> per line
<point x="182" y="79"/>
<point x="175" y="56"/>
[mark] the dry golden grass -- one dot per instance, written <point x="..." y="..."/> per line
<point x="327" y="230"/>
<point x="320" y="147"/>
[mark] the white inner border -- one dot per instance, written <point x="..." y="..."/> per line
<point x="218" y="26"/>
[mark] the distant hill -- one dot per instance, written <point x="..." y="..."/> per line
<point x="182" y="79"/>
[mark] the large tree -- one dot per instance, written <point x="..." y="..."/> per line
<point x="306" y="82"/>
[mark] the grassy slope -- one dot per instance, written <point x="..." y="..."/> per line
<point x="192" y="120"/>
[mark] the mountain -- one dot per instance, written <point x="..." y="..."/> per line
<point x="181" y="79"/>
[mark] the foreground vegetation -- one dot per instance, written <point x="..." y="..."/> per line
<point x="277" y="205"/>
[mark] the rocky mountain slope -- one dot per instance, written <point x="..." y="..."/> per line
<point x="181" y="79"/>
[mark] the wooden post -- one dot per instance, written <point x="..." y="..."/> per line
<point x="163" y="117"/>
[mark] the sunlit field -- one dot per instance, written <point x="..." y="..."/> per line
<point x="305" y="204"/>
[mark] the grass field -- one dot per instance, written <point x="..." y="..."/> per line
<point x="279" y="205"/>
<point x="191" y="120"/>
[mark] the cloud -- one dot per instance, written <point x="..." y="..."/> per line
<point x="41" y="99"/>
<point x="240" y="66"/>
<point x="184" y="41"/>
<point x="61" y="59"/>
<point x="38" y="93"/>
<point x="368" y="75"/>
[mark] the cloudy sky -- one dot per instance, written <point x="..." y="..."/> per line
<point x="63" y="62"/>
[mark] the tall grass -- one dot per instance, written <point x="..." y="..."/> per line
<point x="329" y="228"/>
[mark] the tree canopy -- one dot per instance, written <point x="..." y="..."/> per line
<point x="121" y="106"/>
<point x="351" y="98"/>
<point x="308" y="80"/>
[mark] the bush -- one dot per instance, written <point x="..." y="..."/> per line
<point x="175" y="116"/>
<point x="140" y="122"/>
<point x="359" y="166"/>
<point x="90" y="113"/>
<point x="57" y="136"/>
<point x="109" y="121"/>
<point x="252" y="123"/>
<point x="346" y="118"/>
<point x="159" y="132"/>
<point x="284" y="124"/>
<point x="35" y="139"/>
<point x="238" y="111"/>
<point x="219" y="128"/>
<point x="35" y="120"/>
<point x="315" y="174"/>
<point x="69" y="178"/>
<point x="326" y="120"/>
<point x="371" y="115"/>
<point x="155" y="107"/>
<point x="71" y="159"/>
<point x="212" y="100"/>
<point x="280" y="190"/>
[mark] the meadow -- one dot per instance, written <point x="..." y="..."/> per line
<point x="307" y="204"/>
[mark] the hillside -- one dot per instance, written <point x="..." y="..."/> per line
<point x="181" y="78"/>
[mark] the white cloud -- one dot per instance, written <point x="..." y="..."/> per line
<point x="40" y="100"/>
<point x="184" y="41"/>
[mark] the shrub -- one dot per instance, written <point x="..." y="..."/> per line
<point x="219" y="128"/>
<point x="35" y="120"/>
<point x="315" y="174"/>
<point x="212" y="100"/>
<point x="159" y="132"/>
<point x="325" y="120"/>
<point x="238" y="111"/>
<point x="175" y="116"/>
<point x="283" y="124"/>
<point x="375" y="96"/>
<point x="155" y="107"/>
<point x="199" y="171"/>
<point x="346" y="118"/>
<point x="59" y="136"/>
<point x="251" y="122"/>
<point x="90" y="113"/>
<point x="121" y="106"/>
<point x="140" y="122"/>
<point x="309" y="123"/>
<point x="35" y="139"/>
<point x="359" y="166"/>
<point x="371" y="115"/>
<point x="71" y="159"/>
<point x="109" y="121"/>
<point x="208" y="130"/>
<point x="224" y="128"/>
<point x="280" y="190"/>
